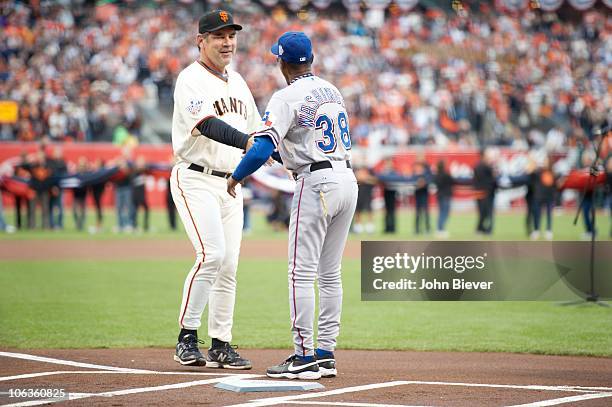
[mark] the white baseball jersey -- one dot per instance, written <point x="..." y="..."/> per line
<point x="212" y="218"/>
<point x="200" y="93"/>
<point x="307" y="122"/>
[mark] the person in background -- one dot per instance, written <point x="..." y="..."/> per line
<point x="279" y="217"/>
<point x="170" y="207"/>
<point x="247" y="197"/>
<point x="3" y="226"/>
<point x="41" y="184"/>
<point x="609" y="190"/>
<point x="422" y="175"/>
<point x="588" y="201"/>
<point x="123" y="197"/>
<point x="79" y="196"/>
<point x="58" y="168"/>
<point x="544" y="197"/>
<point x="139" y="193"/>
<point x="366" y="181"/>
<point x="444" y="183"/>
<point x="390" y="196"/>
<point x="97" y="191"/>
<point x="23" y="170"/>
<point x="485" y="184"/>
<point x="529" y="199"/>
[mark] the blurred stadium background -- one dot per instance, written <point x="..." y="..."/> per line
<point x="86" y="105"/>
<point x="85" y="113"/>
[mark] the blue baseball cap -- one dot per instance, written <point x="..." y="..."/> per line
<point x="293" y="47"/>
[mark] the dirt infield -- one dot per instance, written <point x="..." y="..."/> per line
<point x="127" y="249"/>
<point x="116" y="377"/>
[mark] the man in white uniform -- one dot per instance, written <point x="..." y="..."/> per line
<point x="307" y="123"/>
<point x="208" y="99"/>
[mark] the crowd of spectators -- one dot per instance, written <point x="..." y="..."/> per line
<point x="476" y="77"/>
<point x="45" y="180"/>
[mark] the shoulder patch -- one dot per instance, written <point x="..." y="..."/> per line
<point x="194" y="106"/>
<point x="268" y="119"/>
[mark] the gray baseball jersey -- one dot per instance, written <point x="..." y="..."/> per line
<point x="308" y="124"/>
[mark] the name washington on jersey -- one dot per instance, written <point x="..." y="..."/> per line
<point x="317" y="98"/>
<point x="235" y="106"/>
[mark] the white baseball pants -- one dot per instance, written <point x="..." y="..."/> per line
<point x="213" y="222"/>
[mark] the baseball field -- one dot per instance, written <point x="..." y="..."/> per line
<point x="95" y="315"/>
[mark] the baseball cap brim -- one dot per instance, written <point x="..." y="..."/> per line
<point x="236" y="27"/>
<point x="275" y="49"/>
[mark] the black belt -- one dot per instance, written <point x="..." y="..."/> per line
<point x="321" y="165"/>
<point x="199" y="168"/>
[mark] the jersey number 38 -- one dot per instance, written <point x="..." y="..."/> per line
<point x="332" y="129"/>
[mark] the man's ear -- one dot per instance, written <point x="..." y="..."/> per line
<point x="199" y="40"/>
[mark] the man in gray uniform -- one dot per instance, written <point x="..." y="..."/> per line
<point x="307" y="124"/>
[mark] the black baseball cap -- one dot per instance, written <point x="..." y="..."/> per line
<point x="215" y="20"/>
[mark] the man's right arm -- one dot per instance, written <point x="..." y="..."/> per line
<point x="221" y="132"/>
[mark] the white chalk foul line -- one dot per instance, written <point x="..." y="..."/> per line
<point x="134" y="391"/>
<point x="60" y="372"/>
<point x="278" y="400"/>
<point x="170" y="386"/>
<point x="341" y="403"/>
<point x="72" y="396"/>
<point x="35" y="358"/>
<point x="30" y="375"/>
<point x="573" y="389"/>
<point x="565" y="400"/>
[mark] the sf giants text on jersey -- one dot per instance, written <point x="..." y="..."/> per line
<point x="199" y="94"/>
<point x="307" y="122"/>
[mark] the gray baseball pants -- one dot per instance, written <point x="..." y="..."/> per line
<point x="323" y="207"/>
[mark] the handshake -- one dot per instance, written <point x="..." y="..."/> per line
<point x="232" y="182"/>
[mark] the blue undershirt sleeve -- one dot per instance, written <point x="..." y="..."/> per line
<point x="254" y="158"/>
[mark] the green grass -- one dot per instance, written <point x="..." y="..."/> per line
<point x="69" y="304"/>
<point x="135" y="303"/>
<point x="509" y="225"/>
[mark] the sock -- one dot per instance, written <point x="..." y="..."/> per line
<point x="187" y="332"/>
<point x="307" y="358"/>
<point x="216" y="343"/>
<point x="323" y="353"/>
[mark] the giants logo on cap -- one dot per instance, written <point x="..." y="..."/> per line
<point x="223" y="16"/>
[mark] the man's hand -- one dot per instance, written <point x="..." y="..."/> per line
<point x="250" y="143"/>
<point x="231" y="186"/>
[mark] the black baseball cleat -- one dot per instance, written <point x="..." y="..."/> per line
<point x="295" y="368"/>
<point x="188" y="353"/>
<point x="327" y="363"/>
<point x="226" y="357"/>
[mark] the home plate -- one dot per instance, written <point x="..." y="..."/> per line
<point x="243" y="386"/>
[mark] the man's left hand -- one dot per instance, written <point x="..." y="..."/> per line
<point x="231" y="186"/>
